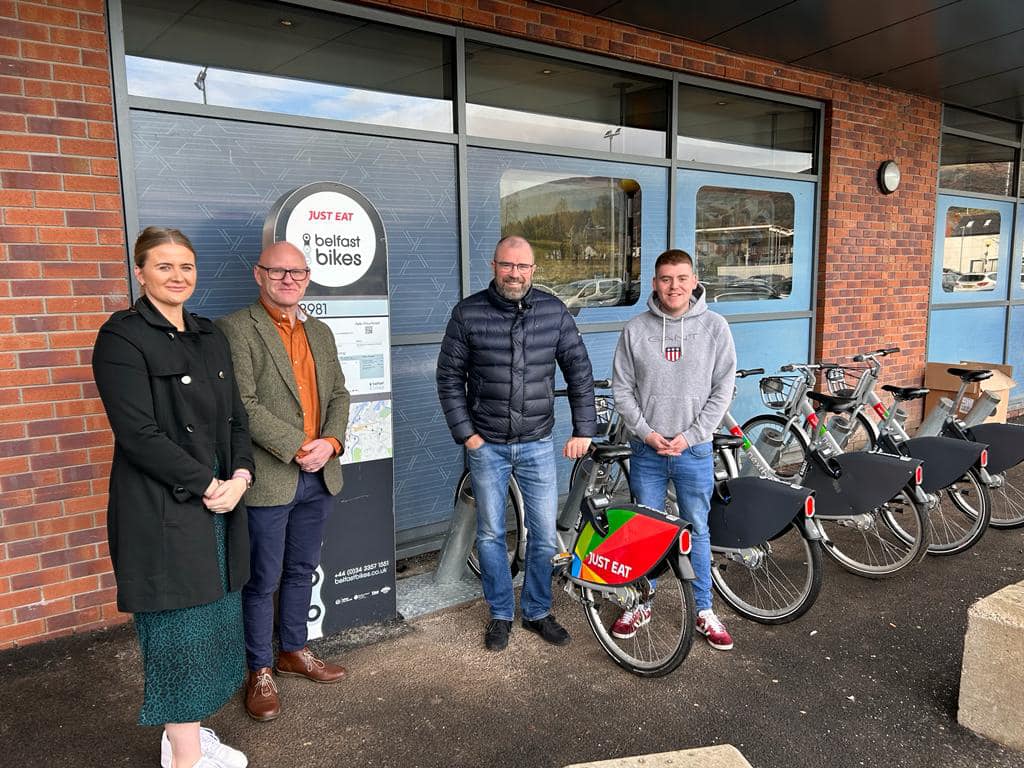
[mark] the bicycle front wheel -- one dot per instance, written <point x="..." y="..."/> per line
<point x="960" y="518"/>
<point x="783" y="446"/>
<point x="1008" y="499"/>
<point x="515" y="532"/>
<point x="880" y="542"/>
<point x="661" y="640"/>
<point x="773" y="583"/>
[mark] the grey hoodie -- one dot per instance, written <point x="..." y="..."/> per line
<point x="687" y="396"/>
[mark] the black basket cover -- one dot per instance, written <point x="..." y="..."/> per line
<point x="757" y="510"/>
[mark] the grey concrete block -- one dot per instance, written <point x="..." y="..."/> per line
<point x="723" y="756"/>
<point x="992" y="675"/>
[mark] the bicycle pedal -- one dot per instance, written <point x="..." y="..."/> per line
<point x="561" y="559"/>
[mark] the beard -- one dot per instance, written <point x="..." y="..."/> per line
<point x="513" y="290"/>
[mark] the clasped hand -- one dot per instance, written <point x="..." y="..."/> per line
<point x="665" y="447"/>
<point x="222" y="495"/>
<point x="314" y="455"/>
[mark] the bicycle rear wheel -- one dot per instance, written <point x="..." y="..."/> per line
<point x="773" y="583"/>
<point x="1008" y="499"/>
<point x="960" y="518"/>
<point x="663" y="641"/>
<point x="614" y="482"/>
<point x="881" y="542"/>
<point x="513" y="525"/>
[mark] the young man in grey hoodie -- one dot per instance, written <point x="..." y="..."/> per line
<point x="673" y="379"/>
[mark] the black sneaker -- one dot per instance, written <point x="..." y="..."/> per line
<point x="549" y="629"/>
<point x="496" y="636"/>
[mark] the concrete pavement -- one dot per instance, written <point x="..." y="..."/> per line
<point x="869" y="677"/>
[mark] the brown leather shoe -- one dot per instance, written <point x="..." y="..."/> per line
<point x="304" y="664"/>
<point x="261" y="701"/>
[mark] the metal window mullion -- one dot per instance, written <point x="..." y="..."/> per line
<point x="461" y="163"/>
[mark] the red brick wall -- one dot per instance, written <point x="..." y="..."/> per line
<point x="64" y="264"/>
<point x="63" y="271"/>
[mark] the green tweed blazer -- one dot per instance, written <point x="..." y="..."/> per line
<point x="271" y="398"/>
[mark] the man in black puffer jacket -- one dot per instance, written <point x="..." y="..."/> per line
<point x="495" y="379"/>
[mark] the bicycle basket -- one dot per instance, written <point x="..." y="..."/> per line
<point x="776" y="391"/>
<point x="842" y="381"/>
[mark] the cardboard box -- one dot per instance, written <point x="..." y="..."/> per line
<point x="943" y="384"/>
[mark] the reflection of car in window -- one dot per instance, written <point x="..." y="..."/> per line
<point x="975" y="281"/>
<point x="598" y="292"/>
<point x="727" y="288"/>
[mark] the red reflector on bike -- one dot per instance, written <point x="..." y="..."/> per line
<point x="984" y="457"/>
<point x="684" y="541"/>
<point x="918" y="475"/>
<point x="809" y="506"/>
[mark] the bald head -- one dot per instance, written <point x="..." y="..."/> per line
<point x="284" y="261"/>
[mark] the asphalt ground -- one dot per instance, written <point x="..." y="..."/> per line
<point x="869" y="677"/>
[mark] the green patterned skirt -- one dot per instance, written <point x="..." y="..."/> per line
<point x="193" y="658"/>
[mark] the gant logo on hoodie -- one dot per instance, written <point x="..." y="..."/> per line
<point x="672" y="354"/>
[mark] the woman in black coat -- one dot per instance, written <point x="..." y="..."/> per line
<point x="177" y="529"/>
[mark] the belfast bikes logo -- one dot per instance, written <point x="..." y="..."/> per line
<point x="336" y="235"/>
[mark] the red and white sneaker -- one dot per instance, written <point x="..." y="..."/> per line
<point x="630" y="621"/>
<point x="714" y="630"/>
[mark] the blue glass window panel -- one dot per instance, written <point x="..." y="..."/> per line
<point x="688" y="185"/>
<point x="960" y="249"/>
<point x="485" y="168"/>
<point x="1015" y="352"/>
<point x="428" y="463"/>
<point x="766" y="344"/>
<point x="217" y="179"/>
<point x="970" y="333"/>
<point x="1017" y="267"/>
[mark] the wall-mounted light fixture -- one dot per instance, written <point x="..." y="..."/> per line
<point x="889" y="176"/>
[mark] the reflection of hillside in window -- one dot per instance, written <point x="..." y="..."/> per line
<point x="970" y="250"/>
<point x="585" y="233"/>
<point x="744" y="244"/>
<point x="976" y="166"/>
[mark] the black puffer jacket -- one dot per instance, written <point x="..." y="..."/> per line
<point x="496" y="370"/>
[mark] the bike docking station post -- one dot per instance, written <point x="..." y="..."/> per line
<point x="451" y="565"/>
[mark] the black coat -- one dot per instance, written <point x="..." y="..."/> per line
<point x="159" y="397"/>
<point x="496" y="369"/>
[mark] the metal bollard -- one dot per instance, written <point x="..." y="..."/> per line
<point x="984" y="407"/>
<point x="451" y="566"/>
<point x="933" y="421"/>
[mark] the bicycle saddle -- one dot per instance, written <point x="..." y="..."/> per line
<point x="831" y="403"/>
<point x="906" y="393"/>
<point x="966" y="374"/>
<point x="727" y="441"/>
<point x="609" y="452"/>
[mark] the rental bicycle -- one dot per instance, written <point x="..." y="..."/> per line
<point x="868" y="505"/>
<point x="958" y="497"/>
<point x="616" y="557"/>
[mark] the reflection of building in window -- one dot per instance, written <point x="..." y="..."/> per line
<point x="971" y="245"/>
<point x="744" y="243"/>
<point x="585" y="232"/>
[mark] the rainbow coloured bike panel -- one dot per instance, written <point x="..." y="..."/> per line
<point x="638" y="539"/>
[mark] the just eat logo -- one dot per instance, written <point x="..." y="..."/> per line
<point x="330" y="216"/>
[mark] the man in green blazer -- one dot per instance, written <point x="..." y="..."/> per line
<point x="293" y="389"/>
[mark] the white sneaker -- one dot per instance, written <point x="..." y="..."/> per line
<point x="215" y="753"/>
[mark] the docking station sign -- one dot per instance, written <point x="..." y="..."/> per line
<point x="342" y="237"/>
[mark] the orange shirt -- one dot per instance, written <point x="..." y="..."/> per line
<point x="296" y="345"/>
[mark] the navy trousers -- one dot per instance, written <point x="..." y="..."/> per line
<point x="284" y="544"/>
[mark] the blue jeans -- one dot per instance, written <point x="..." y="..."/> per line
<point x="693" y="473"/>
<point x="284" y="548"/>
<point x="533" y="465"/>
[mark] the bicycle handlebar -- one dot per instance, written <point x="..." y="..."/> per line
<point x="864" y="356"/>
<point x="744" y="372"/>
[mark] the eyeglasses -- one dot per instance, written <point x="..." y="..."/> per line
<point x="278" y="273"/>
<point x="508" y="266"/>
